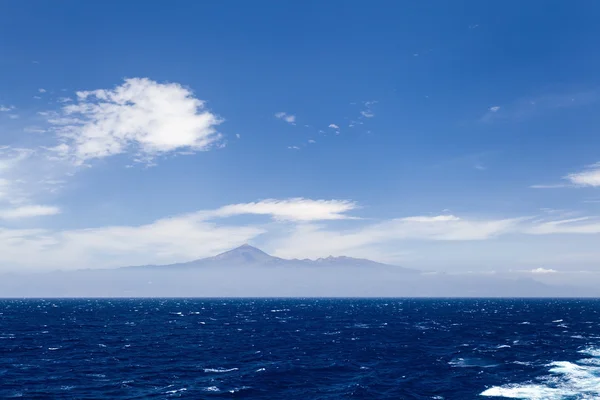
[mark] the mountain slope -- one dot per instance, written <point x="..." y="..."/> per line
<point x="248" y="256"/>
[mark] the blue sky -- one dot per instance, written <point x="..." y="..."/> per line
<point x="434" y="135"/>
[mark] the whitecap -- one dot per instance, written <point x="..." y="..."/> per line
<point x="566" y="380"/>
<point x="591" y="351"/>
<point x="522" y="363"/>
<point x="211" y="389"/>
<point x="261" y="369"/>
<point x="235" y="390"/>
<point x="219" y="370"/>
<point x="470" y="363"/>
<point x="175" y="391"/>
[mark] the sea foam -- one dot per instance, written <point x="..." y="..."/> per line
<point x="566" y="380"/>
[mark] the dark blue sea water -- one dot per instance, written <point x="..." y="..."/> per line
<point x="300" y="349"/>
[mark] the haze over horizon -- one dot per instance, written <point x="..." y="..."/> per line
<point x="461" y="140"/>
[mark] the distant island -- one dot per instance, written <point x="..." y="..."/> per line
<point x="250" y="272"/>
<point x="251" y="257"/>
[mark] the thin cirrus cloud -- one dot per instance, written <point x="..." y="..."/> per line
<point x="141" y="115"/>
<point x="16" y="199"/>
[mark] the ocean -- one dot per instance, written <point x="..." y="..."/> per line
<point x="300" y="348"/>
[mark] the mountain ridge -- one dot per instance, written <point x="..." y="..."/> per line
<point x="250" y="256"/>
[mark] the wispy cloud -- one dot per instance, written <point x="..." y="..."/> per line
<point x="289" y="118"/>
<point x="549" y="186"/>
<point x="297" y="209"/>
<point x="367" y="112"/>
<point x="531" y="106"/>
<point x="296" y="227"/>
<point x="4" y="108"/>
<point x="28" y="211"/>
<point x="587" y="177"/>
<point x="543" y="271"/>
<point x="42" y="90"/>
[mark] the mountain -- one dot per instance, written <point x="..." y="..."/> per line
<point x="249" y="272"/>
<point x="248" y="256"/>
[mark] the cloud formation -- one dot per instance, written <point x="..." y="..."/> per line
<point x="289" y="118"/>
<point x="297" y="209"/>
<point x="141" y="115"/>
<point x="589" y="177"/>
<point x="296" y="227"/>
<point x="28" y="211"/>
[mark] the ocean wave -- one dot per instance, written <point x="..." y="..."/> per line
<point x="567" y="380"/>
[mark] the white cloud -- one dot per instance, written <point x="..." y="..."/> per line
<point x="582" y="225"/>
<point x="4" y="108"/>
<point x="312" y="141"/>
<point x="543" y="271"/>
<point x="298" y="227"/>
<point x="367" y="114"/>
<point x="142" y="115"/>
<point x="438" y="218"/>
<point x="28" y="211"/>
<point x="551" y="186"/>
<point x="494" y="109"/>
<point x="588" y="177"/>
<point x="237" y="135"/>
<point x="311" y="240"/>
<point x="167" y="240"/>
<point x="42" y="90"/>
<point x="293" y="148"/>
<point x="289" y="118"/>
<point x="297" y="209"/>
<point x="334" y="126"/>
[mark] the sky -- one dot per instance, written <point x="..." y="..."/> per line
<point x="436" y="135"/>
